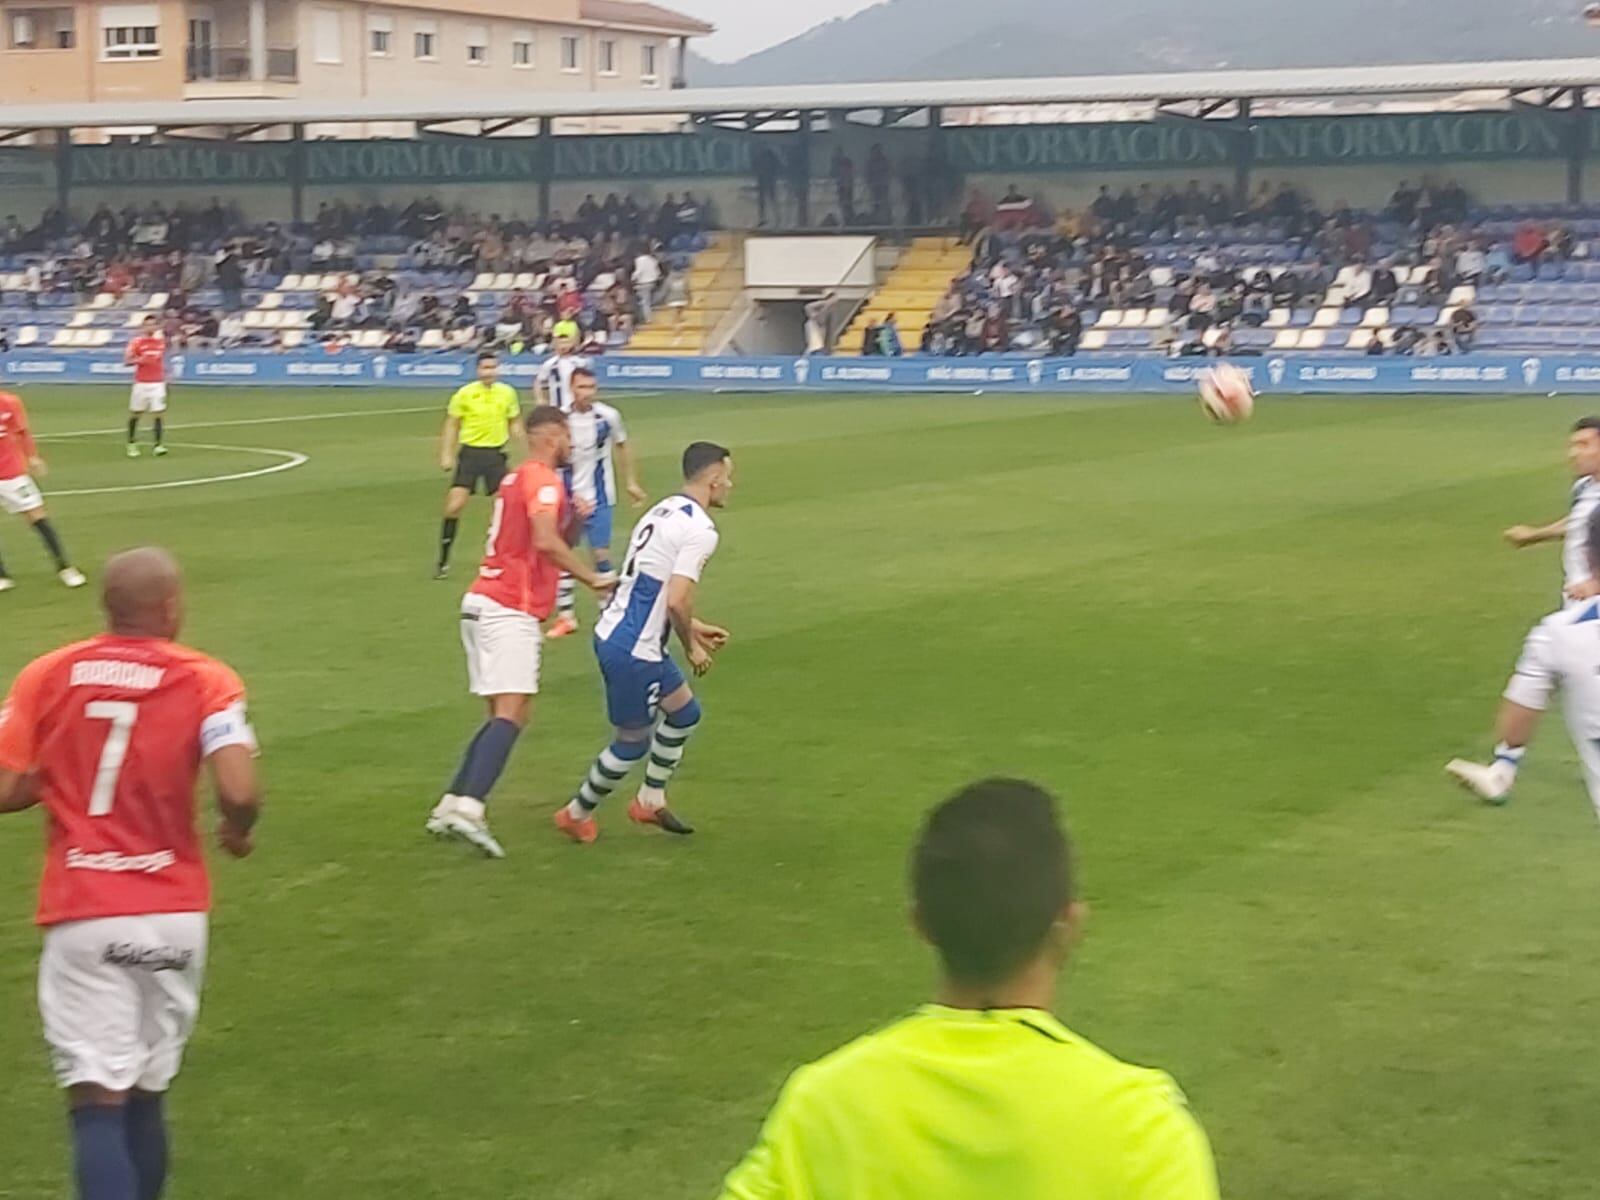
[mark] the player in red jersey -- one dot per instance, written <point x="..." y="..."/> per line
<point x="108" y="735"/>
<point x="19" y="494"/>
<point x="147" y="355"/>
<point x="515" y="590"/>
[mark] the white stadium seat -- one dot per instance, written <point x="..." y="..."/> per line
<point x="1375" y="317"/>
<point x="1161" y="276"/>
<point x="502" y="282"/>
<point x="80" y="319"/>
<point x="1279" y="317"/>
<point x="484" y="279"/>
<point x="1133" y="318"/>
<point x="1312" y="339"/>
<point x="272" y="300"/>
<point x="28" y="335"/>
<point x="103" y="300"/>
<point x="1111" y="318"/>
<point x="156" y="300"/>
<point x="1446" y="313"/>
<point x="1326" y="318"/>
<point x="1462" y="293"/>
<point x="431" y="339"/>
<point x="1361" y="339"/>
<point x="1095" y="339"/>
<point x="291" y="339"/>
<point x="1287" y="339"/>
<point x="1156" y="318"/>
<point x="289" y="283"/>
<point x="523" y="280"/>
<point x="100" y="337"/>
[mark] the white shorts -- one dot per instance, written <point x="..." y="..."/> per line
<point x="502" y="648"/>
<point x="148" y="398"/>
<point x="119" y="997"/>
<point x="20" y="495"/>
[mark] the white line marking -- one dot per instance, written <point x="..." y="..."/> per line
<point x="288" y="461"/>
<point x="333" y="416"/>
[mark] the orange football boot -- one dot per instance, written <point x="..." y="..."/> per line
<point x="583" y="831"/>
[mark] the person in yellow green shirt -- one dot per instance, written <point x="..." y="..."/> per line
<point x="982" y="1094"/>
<point x="479" y="423"/>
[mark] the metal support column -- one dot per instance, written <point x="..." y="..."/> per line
<point x="297" y="173"/>
<point x="544" y="155"/>
<point x="63" y="169"/>
<point x="1577" y="144"/>
<point x="800" y="173"/>
<point x="1244" y="153"/>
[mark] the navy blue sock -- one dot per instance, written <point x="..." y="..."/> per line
<point x="52" y="542"/>
<point x="147" y="1143"/>
<point x="489" y="757"/>
<point x="100" y="1147"/>
<point x="460" y="779"/>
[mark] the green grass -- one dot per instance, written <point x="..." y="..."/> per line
<point x="1241" y="656"/>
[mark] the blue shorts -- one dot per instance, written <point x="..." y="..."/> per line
<point x="634" y="687"/>
<point x="597" y="526"/>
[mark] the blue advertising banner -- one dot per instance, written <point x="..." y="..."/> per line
<point x="1281" y="374"/>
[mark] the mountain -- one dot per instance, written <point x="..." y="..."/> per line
<point x="957" y="39"/>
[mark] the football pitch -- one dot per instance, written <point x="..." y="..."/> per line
<point x="1240" y="656"/>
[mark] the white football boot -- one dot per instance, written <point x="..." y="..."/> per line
<point x="1491" y="783"/>
<point x="465" y="820"/>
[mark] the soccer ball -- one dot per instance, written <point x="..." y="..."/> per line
<point x="1226" y="395"/>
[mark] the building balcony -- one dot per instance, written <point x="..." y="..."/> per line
<point x="217" y="72"/>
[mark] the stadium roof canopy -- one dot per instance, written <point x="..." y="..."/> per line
<point x="1443" y="78"/>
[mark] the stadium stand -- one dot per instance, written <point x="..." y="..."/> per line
<point x="428" y="280"/>
<point x="912" y="288"/>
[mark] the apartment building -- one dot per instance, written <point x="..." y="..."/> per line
<point x="115" y="51"/>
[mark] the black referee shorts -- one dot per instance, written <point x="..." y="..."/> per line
<point x="480" y="464"/>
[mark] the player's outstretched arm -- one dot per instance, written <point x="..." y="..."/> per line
<point x="680" y="611"/>
<point x="233" y="774"/>
<point x="630" y="472"/>
<point x="549" y="541"/>
<point x="714" y="637"/>
<point x="1531" y="535"/>
<point x="449" y="442"/>
<point x="17" y="791"/>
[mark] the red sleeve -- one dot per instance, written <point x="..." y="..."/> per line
<point x="545" y="496"/>
<point x="19" y="719"/>
<point x="30" y="449"/>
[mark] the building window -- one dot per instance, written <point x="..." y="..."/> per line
<point x="478" y="45"/>
<point x="522" y="48"/>
<point x="425" y="41"/>
<point x="608" y="56"/>
<point x="41" y="29"/>
<point x="569" y="53"/>
<point x="325" y="39"/>
<point x="380" y="36"/>
<point x="647" y="63"/>
<point x="130" y="31"/>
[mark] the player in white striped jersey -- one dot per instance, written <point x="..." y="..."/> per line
<point x="598" y="438"/>
<point x="651" y="706"/>
<point x="1562" y="652"/>
<point x="552" y="384"/>
<point x="1579" y="581"/>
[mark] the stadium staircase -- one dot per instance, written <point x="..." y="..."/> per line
<point x="716" y="282"/>
<point x="910" y="291"/>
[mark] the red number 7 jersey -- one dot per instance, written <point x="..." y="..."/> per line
<point x="115" y="730"/>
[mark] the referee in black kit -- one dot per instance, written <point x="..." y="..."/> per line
<point x="481" y="419"/>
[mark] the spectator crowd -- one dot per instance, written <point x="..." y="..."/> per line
<point x="605" y="268"/>
<point x="1037" y="280"/>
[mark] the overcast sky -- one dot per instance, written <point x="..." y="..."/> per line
<point x="745" y="26"/>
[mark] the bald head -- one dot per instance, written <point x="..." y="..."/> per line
<point x="142" y="591"/>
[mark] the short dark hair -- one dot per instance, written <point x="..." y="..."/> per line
<point x="488" y="356"/>
<point x="700" y="457"/>
<point x="990" y="874"/>
<point x="541" y="415"/>
<point x="1583" y="423"/>
<point x="586" y="372"/>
